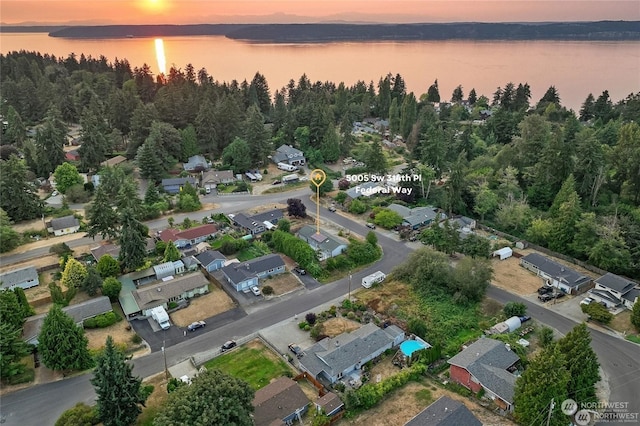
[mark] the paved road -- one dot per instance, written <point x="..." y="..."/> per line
<point x="618" y="358"/>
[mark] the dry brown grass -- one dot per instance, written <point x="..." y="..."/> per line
<point x="118" y="331"/>
<point x="622" y="323"/>
<point x="335" y="326"/>
<point x="283" y="283"/>
<point x="213" y="303"/>
<point x="509" y="275"/>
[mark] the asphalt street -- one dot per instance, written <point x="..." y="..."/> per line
<point x="42" y="404"/>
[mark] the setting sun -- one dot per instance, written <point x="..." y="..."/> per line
<point x="155" y="5"/>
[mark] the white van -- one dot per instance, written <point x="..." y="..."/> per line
<point x="287" y="167"/>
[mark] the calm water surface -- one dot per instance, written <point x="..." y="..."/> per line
<point x="575" y="68"/>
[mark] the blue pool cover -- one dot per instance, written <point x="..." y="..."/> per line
<point x="410" y="346"/>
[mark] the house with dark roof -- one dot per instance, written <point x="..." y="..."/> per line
<point x="213" y="178"/>
<point x="80" y="312"/>
<point x="244" y="275"/>
<point x="211" y="260"/>
<point x="288" y="155"/>
<point x="335" y="358"/>
<point x="615" y="291"/>
<point x="172" y="186"/>
<point x="257" y="223"/>
<point x="196" y="163"/>
<point x="189" y="237"/>
<point x="486" y="364"/>
<point x="26" y="277"/>
<point x="366" y="189"/>
<point x="555" y="274"/>
<point x="280" y="402"/>
<point x="445" y="412"/>
<point x="416" y="217"/>
<point x="63" y="225"/>
<point x="324" y="244"/>
<point x="112" y="250"/>
<point x="140" y="301"/>
<point x="329" y="403"/>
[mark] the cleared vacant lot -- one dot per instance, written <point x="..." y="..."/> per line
<point x="509" y="275"/>
<point x="213" y="303"/>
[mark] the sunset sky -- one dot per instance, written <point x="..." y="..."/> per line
<point x="97" y="12"/>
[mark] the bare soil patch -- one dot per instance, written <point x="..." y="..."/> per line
<point x="213" y="303"/>
<point x="283" y="283"/>
<point x="335" y="326"/>
<point x="118" y="331"/>
<point x="509" y="275"/>
<point x="622" y="322"/>
<point x="383" y="369"/>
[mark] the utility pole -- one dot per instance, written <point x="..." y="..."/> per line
<point x="551" y="407"/>
<point x="164" y="354"/>
<point x="349" y="286"/>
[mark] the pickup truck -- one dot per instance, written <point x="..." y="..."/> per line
<point x="296" y="350"/>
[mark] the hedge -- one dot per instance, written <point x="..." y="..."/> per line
<point x="102" y="320"/>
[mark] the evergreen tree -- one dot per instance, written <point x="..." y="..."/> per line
<point x="256" y="136"/>
<point x="394" y="117"/>
<point x="457" y="95"/>
<point x="133" y="241"/>
<point x="143" y="117"/>
<point x="375" y="160"/>
<point x="128" y="199"/>
<point x="635" y="315"/>
<point x="150" y="162"/>
<point x="260" y="87"/>
<point x="119" y="393"/>
<point x="563" y="228"/>
<point x="95" y="140"/>
<point x="74" y="274"/>
<point x="473" y="97"/>
<point x="11" y="312"/>
<point x="103" y="219"/>
<point x="151" y="195"/>
<point x="62" y="344"/>
<point x="433" y="94"/>
<point x="9" y="238"/>
<point x="93" y="281"/>
<point x="171" y="252"/>
<point x="18" y="198"/>
<point x="582" y="364"/>
<point x="545" y="380"/>
<point x="587" y="109"/>
<point x="16" y="132"/>
<point x="409" y="113"/>
<point x="50" y="142"/>
<point x="206" y="127"/>
<point x="330" y="146"/>
<point x="189" y="145"/>
<point x="24" y="303"/>
<point x="12" y="350"/>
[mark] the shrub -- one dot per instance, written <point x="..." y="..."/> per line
<point x="80" y="415"/>
<point x="340" y="387"/>
<point x="302" y="325"/>
<point x="172" y="305"/>
<point x="351" y="315"/>
<point x="101" y="321"/>
<point x="25" y="377"/>
<point x="60" y="249"/>
<point x="90" y="323"/>
<point x="307" y="327"/>
<point x="517" y="309"/>
<point x="136" y="339"/>
<point x="597" y="312"/>
<point x="111" y="288"/>
<point x="267" y="290"/>
<point x="315" y="331"/>
<point x="311" y="318"/>
<point x="174" y="384"/>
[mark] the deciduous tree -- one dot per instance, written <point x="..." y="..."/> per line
<point x="111" y="288"/>
<point x="296" y="208"/>
<point x="237" y="155"/>
<point x="92" y="282"/>
<point x="171" y="252"/>
<point x="74" y="274"/>
<point x="108" y="266"/>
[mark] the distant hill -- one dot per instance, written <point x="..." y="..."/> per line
<point x="310" y="33"/>
<point x="30" y="28"/>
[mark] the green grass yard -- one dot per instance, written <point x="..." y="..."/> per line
<point x="253" y="363"/>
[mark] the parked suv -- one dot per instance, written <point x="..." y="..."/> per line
<point x="300" y="270"/>
<point x="371" y="225"/>
<point x="296" y="350"/>
<point x="228" y="345"/>
<point x="545" y="289"/>
<point x="545" y="297"/>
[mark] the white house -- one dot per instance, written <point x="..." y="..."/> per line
<point x="63" y="225"/>
<point x="325" y="245"/>
<point x="615" y="291"/>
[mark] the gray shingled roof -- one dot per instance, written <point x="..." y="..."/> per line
<point x="285" y="153"/>
<point x="238" y="272"/>
<point x="329" y="402"/>
<point x="326" y="242"/>
<point x="18" y="276"/>
<point x="487" y="360"/>
<point x="178" y="181"/>
<point x="208" y="256"/>
<point x="64" y="222"/>
<point x="270" y="216"/>
<point x="149" y="296"/>
<point x="247" y="222"/>
<point x="445" y="412"/>
<point x="400" y="209"/>
<point x="556" y="270"/>
<point x="616" y="282"/>
<point x="632" y="294"/>
<point x="606" y="295"/>
<point x="278" y="400"/>
<point x="334" y="355"/>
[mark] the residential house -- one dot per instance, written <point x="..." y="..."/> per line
<point x="26" y="277"/>
<point x="258" y="223"/>
<point x="173" y="185"/>
<point x="63" y="225"/>
<point x="72" y="155"/>
<point x="142" y="277"/>
<point x="189" y="237"/>
<point x="325" y="245"/>
<point x="555" y="274"/>
<point x="211" y="260"/>
<point x="196" y="164"/>
<point x="164" y="270"/>
<point x="213" y="178"/>
<point x="464" y="222"/>
<point x="80" y="312"/>
<point x="487" y="364"/>
<point x="417" y="217"/>
<point x="190" y="263"/>
<point x="289" y="155"/>
<point x="280" y="402"/>
<point x="330" y="403"/>
<point x="615" y="291"/>
<point x="445" y="412"/>
<point x="366" y="189"/>
<point x="243" y="275"/>
<point x="335" y="358"/>
<point x="114" y="161"/>
<point x="138" y="302"/>
<point x="112" y="250"/>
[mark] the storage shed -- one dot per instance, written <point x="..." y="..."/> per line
<point x="164" y="270"/>
<point x="503" y="253"/>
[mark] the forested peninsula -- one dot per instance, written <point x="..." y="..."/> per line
<point x="309" y="33"/>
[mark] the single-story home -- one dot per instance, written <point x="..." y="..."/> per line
<point x="142" y="277"/>
<point x="172" y="186"/>
<point x="196" y="163"/>
<point x="333" y="358"/>
<point x="555" y="274"/>
<point x="190" y="263"/>
<point x="26" y="277"/>
<point x="503" y="253"/>
<point x="112" y="250"/>
<point x="325" y="245"/>
<point x="615" y="291"/>
<point x="80" y="312"/>
<point x="330" y="403"/>
<point x="140" y="301"/>
<point x="366" y="189"/>
<point x="189" y="237"/>
<point x="445" y="412"/>
<point x="72" y="155"/>
<point x="211" y="260"/>
<point x="486" y="364"/>
<point x="63" y="225"/>
<point x="280" y="402"/>
<point x="258" y="223"/>
<point x="289" y="155"/>
<point x="243" y="275"/>
<point x="416" y="217"/>
<point x="213" y="178"/>
<point x="114" y="161"/>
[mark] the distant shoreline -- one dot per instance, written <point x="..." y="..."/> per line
<point x="310" y="33"/>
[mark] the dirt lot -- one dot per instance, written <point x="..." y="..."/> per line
<point x="208" y="305"/>
<point x="283" y="283"/>
<point x="509" y="275"/>
<point x="118" y="331"/>
<point x="405" y="403"/>
<point x="336" y="326"/>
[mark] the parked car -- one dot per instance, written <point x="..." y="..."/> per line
<point x="545" y="297"/>
<point x="296" y="350"/>
<point x="276" y="182"/>
<point x="332" y="208"/>
<point x="524" y="318"/>
<point x="545" y="289"/>
<point x="255" y="290"/>
<point x="586" y="301"/>
<point x="300" y="270"/>
<point x="54" y="193"/>
<point x="228" y="345"/>
<point x="558" y="295"/>
<point x="371" y="225"/>
<point x="196" y="325"/>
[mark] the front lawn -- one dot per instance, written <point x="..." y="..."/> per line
<point x="251" y="252"/>
<point x="253" y="363"/>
